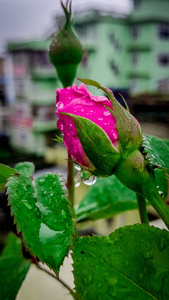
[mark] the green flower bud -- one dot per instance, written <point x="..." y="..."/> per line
<point x="65" y="51"/>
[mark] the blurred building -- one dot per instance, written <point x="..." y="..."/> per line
<point x="127" y="52"/>
<point x="33" y="121"/>
<point x="130" y="55"/>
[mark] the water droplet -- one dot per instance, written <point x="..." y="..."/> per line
<point x="148" y="254"/>
<point x="90" y="181"/>
<point x="77" y="183"/>
<point x="99" y="285"/>
<point x="161" y="245"/>
<point x="51" y="194"/>
<point x="89" y="279"/>
<point x="77" y="167"/>
<point x="54" y="184"/>
<point x="107" y="113"/>
<point x="44" y="193"/>
<point x="63" y="213"/>
<point x="27" y="204"/>
<point x="41" y="181"/>
<point x="100" y="119"/>
<point x="161" y="194"/>
<point x="59" y="105"/>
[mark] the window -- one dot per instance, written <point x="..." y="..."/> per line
<point x="163" y="31"/>
<point x="114" y="41"/>
<point x="137" y="3"/>
<point x="114" y="67"/>
<point x="134" y="32"/>
<point x="84" y="60"/>
<point x="163" y="85"/>
<point x="163" y="60"/>
<point x="134" y="58"/>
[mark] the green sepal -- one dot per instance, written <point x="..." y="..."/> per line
<point x="128" y="129"/>
<point x="96" y="145"/>
<point x="5" y="173"/>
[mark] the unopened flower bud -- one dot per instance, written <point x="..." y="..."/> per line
<point x="65" y="51"/>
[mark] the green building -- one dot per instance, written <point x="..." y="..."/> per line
<point x="32" y="124"/>
<point x="127" y="52"/>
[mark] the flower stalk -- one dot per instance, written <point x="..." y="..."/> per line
<point x="142" y="209"/>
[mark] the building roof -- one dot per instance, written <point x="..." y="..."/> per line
<point x="29" y="45"/>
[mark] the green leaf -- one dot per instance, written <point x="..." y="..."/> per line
<point x="13" y="270"/>
<point x="157" y="151"/>
<point x="5" y="173"/>
<point x="13" y="246"/>
<point x="25" y="168"/>
<point x="131" y="263"/>
<point x="42" y="214"/>
<point x="161" y="182"/>
<point x="105" y="199"/>
<point x="96" y="145"/>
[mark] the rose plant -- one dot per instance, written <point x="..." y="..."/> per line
<point x="105" y="140"/>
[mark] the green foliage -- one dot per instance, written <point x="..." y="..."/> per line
<point x="13" y="246"/>
<point x="13" y="268"/>
<point x="105" y="199"/>
<point x="41" y="212"/>
<point x="131" y="263"/>
<point x="97" y="146"/>
<point x="157" y="151"/>
<point x="161" y="182"/>
<point x="5" y="173"/>
<point x="25" y="168"/>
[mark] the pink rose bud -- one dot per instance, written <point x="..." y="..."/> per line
<point x="89" y="129"/>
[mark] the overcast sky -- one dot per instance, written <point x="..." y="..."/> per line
<point x="28" y="19"/>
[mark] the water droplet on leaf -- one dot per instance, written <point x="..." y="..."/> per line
<point x="41" y="181"/>
<point x="27" y="204"/>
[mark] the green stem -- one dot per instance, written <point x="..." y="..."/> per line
<point x="142" y="209"/>
<point x="159" y="205"/>
<point x="70" y="181"/>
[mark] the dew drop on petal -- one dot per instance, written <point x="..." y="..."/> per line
<point x="107" y="113"/>
<point x="100" y="119"/>
<point x="60" y="105"/>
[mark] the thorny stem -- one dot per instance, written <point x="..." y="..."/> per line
<point x="70" y="181"/>
<point x="58" y="279"/>
<point x="142" y="209"/>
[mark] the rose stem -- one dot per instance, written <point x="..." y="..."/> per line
<point x="142" y="209"/>
<point x="57" y="278"/>
<point x="159" y="205"/>
<point x="70" y="181"/>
